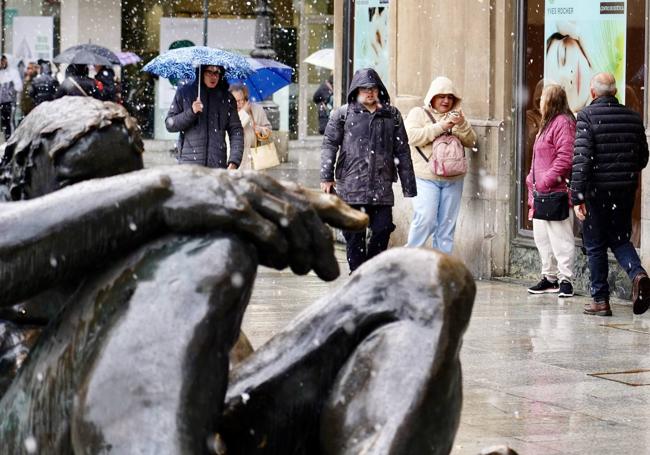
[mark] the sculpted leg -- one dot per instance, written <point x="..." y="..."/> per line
<point x="140" y="363"/>
<point x="402" y="313"/>
<point x="394" y="396"/>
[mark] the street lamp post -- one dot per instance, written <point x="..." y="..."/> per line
<point x="263" y="21"/>
<point x="264" y="49"/>
<point x="206" y="13"/>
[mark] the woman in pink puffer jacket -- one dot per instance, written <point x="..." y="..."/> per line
<point x="553" y="156"/>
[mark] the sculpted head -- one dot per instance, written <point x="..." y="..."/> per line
<point x="66" y="141"/>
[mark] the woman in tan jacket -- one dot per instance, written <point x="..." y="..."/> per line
<point x="253" y="119"/>
<point x="437" y="203"/>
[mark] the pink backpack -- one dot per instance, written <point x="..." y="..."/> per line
<point x="448" y="154"/>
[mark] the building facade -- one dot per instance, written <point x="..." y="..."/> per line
<point x="496" y="52"/>
<point x="300" y="27"/>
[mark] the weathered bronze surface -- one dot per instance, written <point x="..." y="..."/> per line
<point x="66" y="141"/>
<point x="372" y="369"/>
<point x="139" y="362"/>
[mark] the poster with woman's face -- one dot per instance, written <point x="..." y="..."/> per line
<point x="583" y="38"/>
<point x="371" y="36"/>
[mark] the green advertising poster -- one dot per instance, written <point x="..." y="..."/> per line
<point x="371" y="36"/>
<point x="582" y="38"/>
<point x="9" y="15"/>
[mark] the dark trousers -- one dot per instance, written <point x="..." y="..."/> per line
<point x="381" y="225"/>
<point x="5" y="119"/>
<point x="609" y="225"/>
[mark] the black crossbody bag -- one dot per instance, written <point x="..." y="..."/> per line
<point x="552" y="206"/>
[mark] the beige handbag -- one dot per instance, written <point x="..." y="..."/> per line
<point x="264" y="156"/>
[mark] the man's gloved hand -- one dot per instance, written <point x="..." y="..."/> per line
<point x="285" y="221"/>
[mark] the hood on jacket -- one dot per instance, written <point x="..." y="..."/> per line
<point x="45" y="67"/>
<point x="11" y="61"/>
<point x="442" y="86"/>
<point x="223" y="83"/>
<point x="363" y="78"/>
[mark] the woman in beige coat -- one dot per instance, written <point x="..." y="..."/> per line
<point x="437" y="203"/>
<point x="253" y="119"/>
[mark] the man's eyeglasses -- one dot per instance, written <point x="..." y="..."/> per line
<point x="212" y="73"/>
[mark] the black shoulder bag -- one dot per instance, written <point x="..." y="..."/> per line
<point x="552" y="206"/>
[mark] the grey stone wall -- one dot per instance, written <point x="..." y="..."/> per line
<point x="482" y="230"/>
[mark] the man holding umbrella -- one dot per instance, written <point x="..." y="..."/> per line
<point x="203" y="112"/>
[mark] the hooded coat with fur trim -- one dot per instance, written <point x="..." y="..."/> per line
<point x="370" y="149"/>
<point x="422" y="131"/>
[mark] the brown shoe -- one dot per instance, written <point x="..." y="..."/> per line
<point x="640" y="293"/>
<point x="598" y="308"/>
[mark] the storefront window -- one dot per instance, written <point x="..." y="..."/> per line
<point x="567" y="42"/>
<point x="31" y="30"/>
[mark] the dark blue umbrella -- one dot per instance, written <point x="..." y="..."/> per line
<point x="268" y="77"/>
<point x="182" y="63"/>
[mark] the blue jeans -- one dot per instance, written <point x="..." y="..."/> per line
<point x="609" y="225"/>
<point x="435" y="210"/>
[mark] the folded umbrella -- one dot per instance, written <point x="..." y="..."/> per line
<point x="268" y="77"/>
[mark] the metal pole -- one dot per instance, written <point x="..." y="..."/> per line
<point x="3" y="7"/>
<point x="263" y="23"/>
<point x="264" y="49"/>
<point x="205" y="21"/>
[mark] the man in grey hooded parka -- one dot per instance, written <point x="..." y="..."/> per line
<point x="364" y="149"/>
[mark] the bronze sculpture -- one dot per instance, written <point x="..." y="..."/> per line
<point x="147" y="275"/>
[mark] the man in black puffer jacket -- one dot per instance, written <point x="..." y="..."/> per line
<point x="373" y="151"/>
<point x="610" y="151"/>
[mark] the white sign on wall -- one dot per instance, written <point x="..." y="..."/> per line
<point x="33" y="38"/>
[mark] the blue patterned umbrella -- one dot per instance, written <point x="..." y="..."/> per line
<point x="182" y="63"/>
<point x="268" y="77"/>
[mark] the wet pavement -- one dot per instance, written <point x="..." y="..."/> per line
<point x="538" y="374"/>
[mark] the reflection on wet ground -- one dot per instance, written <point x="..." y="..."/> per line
<point x="538" y="374"/>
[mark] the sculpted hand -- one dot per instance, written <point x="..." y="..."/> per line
<point x="285" y="221"/>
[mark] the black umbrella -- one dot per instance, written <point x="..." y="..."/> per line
<point x="85" y="52"/>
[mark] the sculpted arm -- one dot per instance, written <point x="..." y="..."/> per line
<point x="53" y="237"/>
<point x="56" y="236"/>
